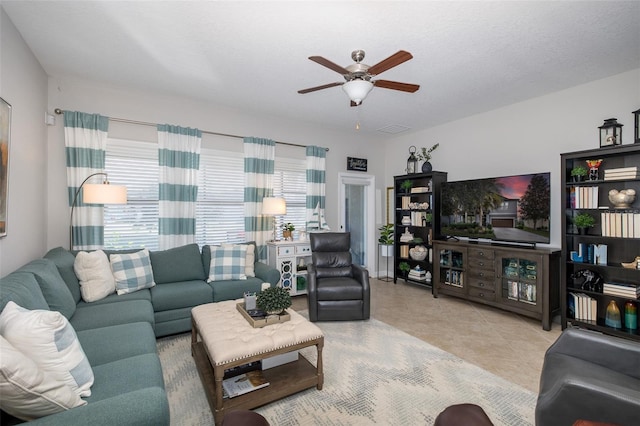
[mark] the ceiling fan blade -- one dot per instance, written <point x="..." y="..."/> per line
<point x="327" y="63"/>
<point x="395" y="85"/>
<point x="325" y="86"/>
<point x="392" y="61"/>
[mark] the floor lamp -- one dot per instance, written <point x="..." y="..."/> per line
<point x="273" y="206"/>
<point x="103" y="193"/>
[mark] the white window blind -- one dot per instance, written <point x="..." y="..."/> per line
<point x="220" y="205"/>
<point x="135" y="224"/>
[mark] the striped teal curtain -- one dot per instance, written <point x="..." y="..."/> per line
<point x="179" y="160"/>
<point x="316" y="182"/>
<point x="259" y="166"/>
<point x="85" y="140"/>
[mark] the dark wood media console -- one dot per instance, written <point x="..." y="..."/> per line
<point x="521" y="280"/>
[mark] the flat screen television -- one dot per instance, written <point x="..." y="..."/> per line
<point x="513" y="209"/>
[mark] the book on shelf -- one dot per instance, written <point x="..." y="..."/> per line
<point x="582" y="307"/>
<point x="584" y="197"/>
<point x="234" y="371"/>
<point x="622" y="173"/>
<point x="244" y="383"/>
<point x="621" y="224"/>
<point x="621" y="290"/>
<point x="420" y="189"/>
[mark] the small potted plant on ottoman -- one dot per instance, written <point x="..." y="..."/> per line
<point x="273" y="300"/>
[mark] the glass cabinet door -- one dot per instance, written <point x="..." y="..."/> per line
<point x="519" y="280"/>
<point x="451" y="269"/>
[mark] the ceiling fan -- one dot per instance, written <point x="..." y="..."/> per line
<point x="358" y="77"/>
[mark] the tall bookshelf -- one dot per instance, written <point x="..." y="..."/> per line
<point x="419" y="207"/>
<point x="614" y="239"/>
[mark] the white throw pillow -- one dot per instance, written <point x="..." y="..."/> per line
<point x="132" y="271"/>
<point x="249" y="260"/>
<point x="27" y="391"/>
<point x="95" y="276"/>
<point x="51" y="342"/>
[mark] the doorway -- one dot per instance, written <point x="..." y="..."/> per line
<point x="357" y="216"/>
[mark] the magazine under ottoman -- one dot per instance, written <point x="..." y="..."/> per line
<point x="221" y="338"/>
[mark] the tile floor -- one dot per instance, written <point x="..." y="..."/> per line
<point x="507" y="344"/>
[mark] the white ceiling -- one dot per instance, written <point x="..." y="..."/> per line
<point x="469" y="57"/>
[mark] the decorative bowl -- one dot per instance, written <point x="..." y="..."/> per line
<point x="418" y="253"/>
<point x="623" y="198"/>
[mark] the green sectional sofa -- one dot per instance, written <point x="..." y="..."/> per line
<point x="118" y="333"/>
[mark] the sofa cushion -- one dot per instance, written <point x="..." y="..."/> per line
<point x="28" y="392"/>
<point x="250" y="260"/>
<point x="64" y="261"/>
<point x="143" y="294"/>
<point x="227" y="263"/>
<point x="177" y="264"/>
<point x="106" y="314"/>
<point x="99" y="348"/>
<point x="23" y="289"/>
<point x="132" y="271"/>
<point x="54" y="289"/>
<point x="183" y="294"/>
<point x="51" y="342"/>
<point x="126" y="375"/>
<point x="231" y="289"/>
<point x="94" y="272"/>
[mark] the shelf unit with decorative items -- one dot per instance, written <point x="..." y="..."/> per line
<point x="291" y="259"/>
<point x="416" y="222"/>
<point x="600" y="279"/>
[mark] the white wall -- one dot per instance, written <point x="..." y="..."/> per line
<point x="526" y="137"/>
<point x="85" y="96"/>
<point x="23" y="84"/>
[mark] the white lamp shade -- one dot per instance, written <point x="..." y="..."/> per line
<point x="104" y="194"/>
<point x="274" y="206"/>
<point x="357" y="90"/>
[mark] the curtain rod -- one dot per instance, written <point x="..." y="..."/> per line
<point x="58" y="111"/>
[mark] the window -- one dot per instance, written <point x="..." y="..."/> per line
<point x="220" y="205"/>
<point x="135" y="224"/>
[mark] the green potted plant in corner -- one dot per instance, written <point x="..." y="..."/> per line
<point x="273" y="300"/>
<point x="386" y="240"/>
<point x="583" y="221"/>
<point x="425" y="155"/>
<point x="404" y="268"/>
<point x="578" y="173"/>
<point x="406" y="185"/>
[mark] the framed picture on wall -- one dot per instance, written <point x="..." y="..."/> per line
<point x="390" y="202"/>
<point x="5" y="135"/>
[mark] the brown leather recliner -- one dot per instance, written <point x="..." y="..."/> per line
<point x="338" y="290"/>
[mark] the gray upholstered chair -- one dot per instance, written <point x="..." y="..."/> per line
<point x="589" y="376"/>
<point x="338" y="290"/>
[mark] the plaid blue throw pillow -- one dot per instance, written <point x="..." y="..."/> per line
<point x="132" y="272"/>
<point x="228" y="263"/>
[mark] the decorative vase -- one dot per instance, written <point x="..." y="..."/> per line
<point x="622" y="199"/>
<point x="286" y="235"/>
<point x="406" y="220"/>
<point x="612" y="317"/>
<point x="426" y="167"/>
<point x="630" y="315"/>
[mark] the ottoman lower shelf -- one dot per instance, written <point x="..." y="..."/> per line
<point x="283" y="381"/>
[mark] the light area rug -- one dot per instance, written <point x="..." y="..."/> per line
<point x="373" y="374"/>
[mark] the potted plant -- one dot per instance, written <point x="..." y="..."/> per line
<point x="583" y="221"/>
<point x="273" y="300"/>
<point x="578" y="173"/>
<point x="406" y="185"/>
<point x="425" y="155"/>
<point x="287" y="230"/>
<point x="386" y="240"/>
<point x="404" y="268"/>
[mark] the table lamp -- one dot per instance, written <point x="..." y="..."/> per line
<point x="274" y="206"/>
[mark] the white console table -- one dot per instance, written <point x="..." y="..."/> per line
<point x="291" y="259"/>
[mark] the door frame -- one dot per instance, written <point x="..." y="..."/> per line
<point x="369" y="181"/>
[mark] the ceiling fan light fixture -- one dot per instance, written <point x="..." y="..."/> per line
<point x="357" y="89"/>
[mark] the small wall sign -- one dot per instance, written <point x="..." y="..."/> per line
<point x="357" y="164"/>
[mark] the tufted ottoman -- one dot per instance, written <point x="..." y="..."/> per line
<point x="221" y="338"/>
